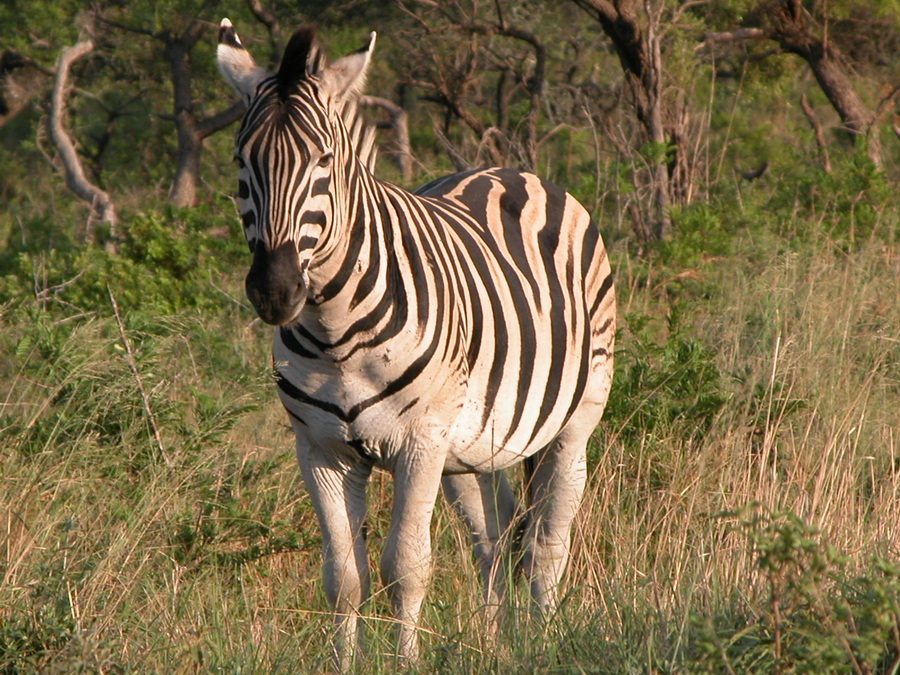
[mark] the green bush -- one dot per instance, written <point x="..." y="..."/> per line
<point x="819" y="615"/>
<point x="167" y="260"/>
<point x="665" y="388"/>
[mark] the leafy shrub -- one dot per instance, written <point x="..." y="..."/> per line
<point x="163" y="264"/>
<point x="700" y="234"/>
<point x="664" y="388"/>
<point x="818" y="617"/>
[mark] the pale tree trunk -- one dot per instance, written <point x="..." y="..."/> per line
<point x="102" y="206"/>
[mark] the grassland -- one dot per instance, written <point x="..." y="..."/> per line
<point x="742" y="513"/>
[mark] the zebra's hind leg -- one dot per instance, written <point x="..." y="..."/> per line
<point x="487" y="506"/>
<point x="338" y="493"/>
<point x="554" y="479"/>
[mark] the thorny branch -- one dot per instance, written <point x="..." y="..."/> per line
<point x="132" y="363"/>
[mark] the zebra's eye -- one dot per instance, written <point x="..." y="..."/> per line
<point x="325" y="159"/>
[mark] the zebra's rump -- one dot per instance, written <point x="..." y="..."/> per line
<point x="551" y="304"/>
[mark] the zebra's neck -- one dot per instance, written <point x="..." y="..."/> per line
<point x="356" y="281"/>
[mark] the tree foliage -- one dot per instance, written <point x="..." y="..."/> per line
<point x="638" y="107"/>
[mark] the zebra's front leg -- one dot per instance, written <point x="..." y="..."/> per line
<point x="406" y="560"/>
<point x="338" y="492"/>
<point x="487" y="506"/>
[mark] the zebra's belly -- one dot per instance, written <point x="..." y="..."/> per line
<point x="382" y="435"/>
<point x="474" y="446"/>
<point x="478" y="422"/>
<point x="385" y="432"/>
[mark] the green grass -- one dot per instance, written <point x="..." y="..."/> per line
<point x="742" y="512"/>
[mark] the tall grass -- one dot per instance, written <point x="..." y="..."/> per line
<point x="741" y="513"/>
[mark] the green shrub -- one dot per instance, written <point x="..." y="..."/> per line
<point x="167" y="261"/>
<point x="818" y="616"/>
<point x="665" y="388"/>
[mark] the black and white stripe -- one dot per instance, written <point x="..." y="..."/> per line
<point x="466" y="326"/>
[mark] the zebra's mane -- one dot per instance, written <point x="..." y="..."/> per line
<point x="302" y="57"/>
<point x="362" y="133"/>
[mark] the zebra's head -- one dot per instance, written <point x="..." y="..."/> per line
<point x="289" y="180"/>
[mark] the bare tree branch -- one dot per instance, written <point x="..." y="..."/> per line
<point x="459" y="162"/>
<point x="399" y="122"/>
<point x="126" y="27"/>
<point x="494" y="140"/>
<point x="219" y="121"/>
<point x="76" y="180"/>
<point x="736" y="35"/>
<point x="270" y="21"/>
<point x="885" y="102"/>
<point x="817" y="130"/>
<point x="791" y="28"/>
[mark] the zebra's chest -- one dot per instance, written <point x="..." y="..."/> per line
<point x="375" y="403"/>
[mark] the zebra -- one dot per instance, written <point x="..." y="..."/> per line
<point x="441" y="336"/>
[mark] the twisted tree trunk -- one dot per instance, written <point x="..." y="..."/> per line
<point x="795" y="31"/>
<point x="102" y="206"/>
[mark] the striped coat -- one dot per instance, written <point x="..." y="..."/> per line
<point x="441" y="335"/>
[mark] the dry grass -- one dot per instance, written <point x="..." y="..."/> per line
<point x="115" y="561"/>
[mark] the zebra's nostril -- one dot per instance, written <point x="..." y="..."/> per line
<point x="276" y="285"/>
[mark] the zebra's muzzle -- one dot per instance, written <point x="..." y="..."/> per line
<point x="276" y="284"/>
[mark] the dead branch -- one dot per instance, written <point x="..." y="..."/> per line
<point x="270" y="21"/>
<point x="459" y="162"/>
<point x="817" y="130"/>
<point x="76" y="180"/>
<point x="217" y="122"/>
<point x="399" y="122"/>
<point x="736" y="35"/>
<point x="886" y="102"/>
<point x="534" y="84"/>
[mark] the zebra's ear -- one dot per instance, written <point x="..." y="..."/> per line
<point x="346" y="78"/>
<point x="235" y="63"/>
